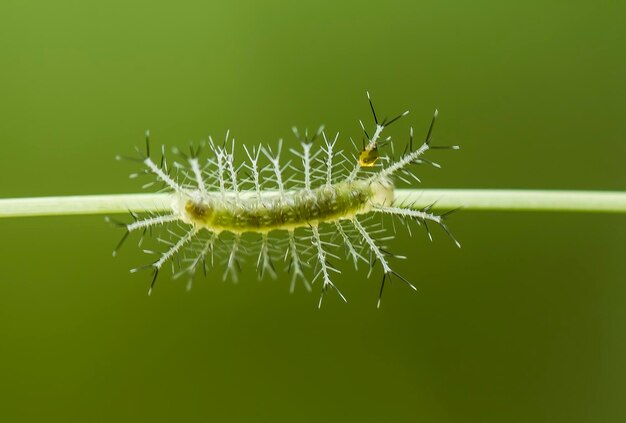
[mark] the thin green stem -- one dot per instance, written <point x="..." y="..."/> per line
<point x="443" y="199"/>
<point x="518" y="200"/>
<point x="84" y="204"/>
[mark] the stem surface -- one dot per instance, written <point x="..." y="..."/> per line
<point x="444" y="199"/>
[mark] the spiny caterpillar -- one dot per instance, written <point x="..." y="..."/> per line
<point x="298" y="212"/>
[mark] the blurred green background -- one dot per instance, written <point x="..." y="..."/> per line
<point x="527" y="322"/>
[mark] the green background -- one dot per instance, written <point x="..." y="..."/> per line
<point x="527" y="322"/>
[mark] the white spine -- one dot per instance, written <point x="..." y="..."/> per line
<point x="152" y="221"/>
<point x="324" y="268"/>
<point x="372" y="246"/>
<point x="197" y="172"/>
<point x="306" y="162"/>
<point x="163" y="176"/>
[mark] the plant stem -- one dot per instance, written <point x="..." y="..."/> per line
<point x="84" y="204"/>
<point x="518" y="200"/>
<point x="444" y="199"/>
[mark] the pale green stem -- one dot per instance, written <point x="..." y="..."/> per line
<point x="518" y="200"/>
<point x="444" y="199"/>
<point x="84" y="204"/>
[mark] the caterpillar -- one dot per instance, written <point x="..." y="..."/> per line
<point x="299" y="212"/>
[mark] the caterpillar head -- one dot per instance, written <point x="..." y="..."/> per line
<point x="383" y="191"/>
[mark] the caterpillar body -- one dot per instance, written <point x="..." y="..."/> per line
<point x="299" y="213"/>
